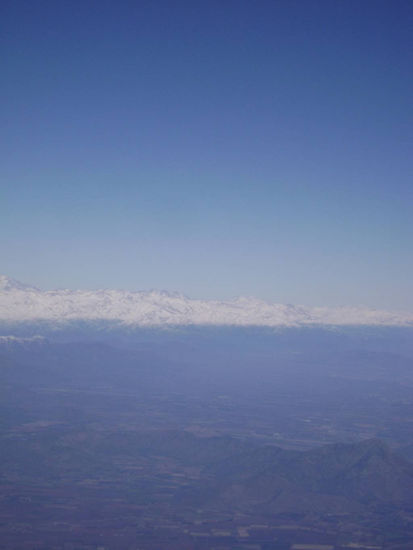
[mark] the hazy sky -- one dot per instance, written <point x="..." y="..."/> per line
<point x="216" y="148"/>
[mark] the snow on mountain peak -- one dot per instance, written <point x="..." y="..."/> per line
<point x="8" y="284"/>
<point x="19" y="302"/>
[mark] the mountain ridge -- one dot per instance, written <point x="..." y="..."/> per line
<point x="20" y="303"/>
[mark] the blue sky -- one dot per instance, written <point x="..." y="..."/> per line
<point x="214" y="148"/>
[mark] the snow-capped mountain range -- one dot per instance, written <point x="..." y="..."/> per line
<point x="24" y="303"/>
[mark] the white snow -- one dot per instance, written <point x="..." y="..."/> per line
<point x="19" y="302"/>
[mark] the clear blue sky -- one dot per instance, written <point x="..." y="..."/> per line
<point x="216" y="148"/>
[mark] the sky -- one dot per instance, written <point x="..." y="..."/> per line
<point x="215" y="148"/>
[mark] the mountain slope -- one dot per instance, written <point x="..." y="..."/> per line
<point x="340" y="478"/>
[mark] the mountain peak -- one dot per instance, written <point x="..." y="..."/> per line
<point x="8" y="284"/>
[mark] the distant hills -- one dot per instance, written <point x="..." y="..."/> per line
<point x="25" y="303"/>
<point x="363" y="481"/>
<point x="339" y="478"/>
